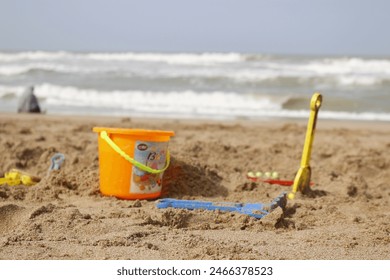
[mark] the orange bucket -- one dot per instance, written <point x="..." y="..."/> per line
<point x="132" y="161"/>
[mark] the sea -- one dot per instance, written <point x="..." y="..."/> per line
<point x="221" y="86"/>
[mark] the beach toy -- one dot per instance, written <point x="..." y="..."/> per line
<point x="256" y="210"/>
<point x="56" y="161"/>
<point x="302" y="178"/>
<point x="132" y="161"/>
<point x="271" y="181"/>
<point x="18" y="177"/>
<point x="267" y="175"/>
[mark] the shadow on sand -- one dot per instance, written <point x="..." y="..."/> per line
<point x="182" y="179"/>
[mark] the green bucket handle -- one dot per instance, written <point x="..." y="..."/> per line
<point x="139" y="165"/>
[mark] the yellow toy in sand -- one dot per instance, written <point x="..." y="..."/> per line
<point x="302" y="179"/>
<point x="18" y="177"/>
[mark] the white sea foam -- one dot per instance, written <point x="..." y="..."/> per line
<point x="177" y="58"/>
<point x="198" y="85"/>
<point x="355" y="80"/>
<point x="349" y="65"/>
<point x="325" y="66"/>
<point x="240" y="75"/>
<point x="189" y="101"/>
<point x="233" y="66"/>
<point x="14" y="91"/>
<point x="37" y="55"/>
<point x="349" y="71"/>
<point x="170" y="58"/>
<point x="14" y="70"/>
<point x="185" y="104"/>
<point x="234" y="75"/>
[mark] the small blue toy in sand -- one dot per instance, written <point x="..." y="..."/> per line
<point x="56" y="161"/>
<point x="256" y="210"/>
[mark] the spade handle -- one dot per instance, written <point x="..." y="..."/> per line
<point x="302" y="178"/>
<point x="315" y="105"/>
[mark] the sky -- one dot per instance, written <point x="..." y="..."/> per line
<point x="312" y="27"/>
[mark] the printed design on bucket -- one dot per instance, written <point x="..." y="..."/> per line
<point x="153" y="155"/>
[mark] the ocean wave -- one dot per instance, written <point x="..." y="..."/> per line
<point x="11" y="91"/>
<point x="177" y="58"/>
<point x="230" y="67"/>
<point x="21" y="69"/>
<point x="320" y="66"/>
<point x="34" y="55"/>
<point x="183" y="100"/>
<point x="347" y="71"/>
<point x="183" y="104"/>
<point x="260" y="76"/>
<point x="169" y="58"/>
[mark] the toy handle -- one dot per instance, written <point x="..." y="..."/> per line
<point x="183" y="204"/>
<point x="141" y="166"/>
<point x="315" y="105"/>
<point x="196" y="204"/>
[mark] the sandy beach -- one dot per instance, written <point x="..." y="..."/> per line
<point x="64" y="216"/>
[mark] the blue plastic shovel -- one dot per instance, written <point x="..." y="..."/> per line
<point x="256" y="210"/>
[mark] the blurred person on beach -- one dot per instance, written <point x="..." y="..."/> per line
<point x="28" y="102"/>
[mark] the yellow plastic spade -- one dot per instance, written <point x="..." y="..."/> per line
<point x="302" y="179"/>
<point x="17" y="177"/>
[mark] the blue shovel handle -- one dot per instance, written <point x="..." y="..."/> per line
<point x="256" y="210"/>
